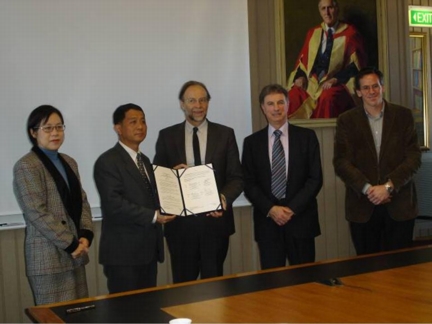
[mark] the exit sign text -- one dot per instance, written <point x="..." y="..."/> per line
<point x="420" y="16"/>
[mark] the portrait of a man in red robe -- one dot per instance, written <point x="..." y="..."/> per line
<point x="321" y="80"/>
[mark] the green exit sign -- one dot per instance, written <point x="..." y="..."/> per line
<point x="420" y="16"/>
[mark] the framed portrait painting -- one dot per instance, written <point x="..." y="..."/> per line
<point x="319" y="65"/>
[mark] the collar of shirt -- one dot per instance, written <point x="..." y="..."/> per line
<point x="335" y="27"/>
<point x="324" y="38"/>
<point x="131" y="152"/>
<point x="284" y="141"/>
<point x="376" y="126"/>
<point x="283" y="129"/>
<point x="202" y="137"/>
<point x="133" y="156"/>
<point x="377" y="117"/>
<point x="201" y="128"/>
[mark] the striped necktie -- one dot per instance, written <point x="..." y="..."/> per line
<point x="140" y="163"/>
<point x="278" y="186"/>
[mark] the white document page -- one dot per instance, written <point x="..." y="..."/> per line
<point x="187" y="191"/>
<point x="200" y="191"/>
<point x="169" y="191"/>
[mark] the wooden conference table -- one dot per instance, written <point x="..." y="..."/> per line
<point x="386" y="287"/>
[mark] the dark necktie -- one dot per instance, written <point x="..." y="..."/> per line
<point x="140" y="163"/>
<point x="278" y="186"/>
<point x="196" y="147"/>
<point x="325" y="58"/>
<point x="329" y="43"/>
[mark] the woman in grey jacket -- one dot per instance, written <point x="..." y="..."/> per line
<point x="56" y="211"/>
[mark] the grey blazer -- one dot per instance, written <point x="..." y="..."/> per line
<point x="49" y="229"/>
<point x="128" y="235"/>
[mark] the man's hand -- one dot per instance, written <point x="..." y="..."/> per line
<point x="224" y="203"/>
<point x="378" y="195"/>
<point x="80" y="250"/>
<point x="180" y="166"/>
<point x="215" y="214"/>
<point x="329" y="83"/>
<point x="84" y="241"/>
<point x="163" y="219"/>
<point x="281" y="214"/>
<point x="301" y="82"/>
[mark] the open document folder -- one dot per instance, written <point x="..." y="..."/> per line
<point x="187" y="191"/>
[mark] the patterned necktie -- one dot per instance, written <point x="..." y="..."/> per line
<point x="196" y="147"/>
<point x="140" y="163"/>
<point x="329" y="43"/>
<point x="325" y="58"/>
<point x="278" y="186"/>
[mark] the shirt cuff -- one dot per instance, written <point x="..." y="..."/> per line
<point x="366" y="188"/>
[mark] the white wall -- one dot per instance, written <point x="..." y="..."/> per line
<point x="86" y="57"/>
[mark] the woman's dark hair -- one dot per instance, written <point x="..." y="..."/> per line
<point x="38" y="117"/>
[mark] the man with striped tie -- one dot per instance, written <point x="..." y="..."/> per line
<point x="282" y="175"/>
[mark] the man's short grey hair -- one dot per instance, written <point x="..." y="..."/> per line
<point x="335" y="3"/>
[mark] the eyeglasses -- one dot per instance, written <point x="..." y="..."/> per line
<point x="50" y="128"/>
<point x="367" y="88"/>
<point x="193" y="101"/>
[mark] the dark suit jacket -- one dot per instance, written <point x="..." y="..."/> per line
<point x="303" y="183"/>
<point x="128" y="235"/>
<point x="222" y="152"/>
<point x="356" y="162"/>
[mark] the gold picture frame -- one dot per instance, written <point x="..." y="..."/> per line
<point x="419" y="63"/>
<point x="281" y="50"/>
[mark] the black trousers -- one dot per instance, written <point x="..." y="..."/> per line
<point x="125" y="278"/>
<point x="276" y="250"/>
<point x="195" y="250"/>
<point x="381" y="233"/>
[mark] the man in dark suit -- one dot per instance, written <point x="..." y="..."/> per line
<point x="282" y="173"/>
<point x="131" y="240"/>
<point x="376" y="154"/>
<point x="199" y="244"/>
